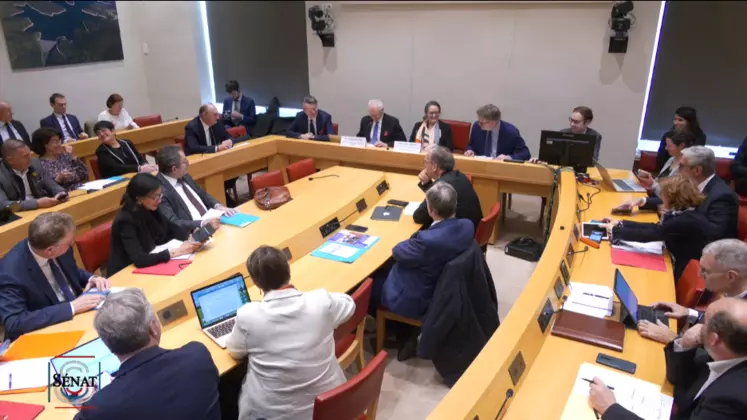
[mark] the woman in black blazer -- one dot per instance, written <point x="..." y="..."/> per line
<point x="684" y="229"/>
<point x="138" y="228"/>
<point x="685" y="117"/>
<point x="432" y="129"/>
<point x="118" y="156"/>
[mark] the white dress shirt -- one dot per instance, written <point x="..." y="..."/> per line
<point x="121" y="121"/>
<point x="289" y="339"/>
<point x="208" y="139"/>
<point x="47" y="270"/>
<point x="493" y="151"/>
<point x="64" y="123"/>
<point x="6" y="129"/>
<point x="25" y="180"/>
<point x="179" y="187"/>
<point x="717" y="369"/>
<point x="703" y="184"/>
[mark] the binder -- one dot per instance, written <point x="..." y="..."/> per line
<point x="587" y="329"/>
<point x="640" y="260"/>
<point x="168" y="268"/>
<point x="20" y="411"/>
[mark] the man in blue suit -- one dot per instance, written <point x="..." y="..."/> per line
<point x="67" y="124"/>
<point x="151" y="383"/>
<point x="312" y="123"/>
<point x="491" y="137"/>
<point x="205" y="133"/>
<point x="10" y="128"/>
<point x="40" y="284"/>
<point x="238" y="109"/>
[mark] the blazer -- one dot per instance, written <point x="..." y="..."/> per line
<point x="419" y="261"/>
<point x="194" y="137"/>
<point x="135" y="232"/>
<point x="174" y="209"/>
<point x="720" y="207"/>
<point x="685" y="235"/>
<point x="300" y="125"/>
<point x="42" y="185"/>
<point x="389" y="129"/>
<point x="468" y="204"/>
<point x="592" y="132"/>
<point x="160" y="384"/>
<point x="447" y="137"/>
<point x="21" y="131"/>
<point x="51" y="121"/>
<point x="739" y="169"/>
<point x="662" y="155"/>
<point x="289" y="339"/>
<point x="112" y="165"/>
<point x="510" y="142"/>
<point x="27" y="301"/>
<point x="724" y="399"/>
<point x="246" y="108"/>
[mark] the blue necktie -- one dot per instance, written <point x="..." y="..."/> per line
<point x="375" y="135"/>
<point x="60" y="279"/>
<point x="8" y="127"/>
<point x="69" y="129"/>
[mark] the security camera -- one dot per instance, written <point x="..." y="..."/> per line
<point x="322" y="23"/>
<point x="621" y="20"/>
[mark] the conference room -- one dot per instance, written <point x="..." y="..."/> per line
<point x="259" y="222"/>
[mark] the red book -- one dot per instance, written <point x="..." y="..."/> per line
<point x="169" y="268"/>
<point x="19" y="411"/>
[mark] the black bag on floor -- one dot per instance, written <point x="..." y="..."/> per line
<point x="525" y="248"/>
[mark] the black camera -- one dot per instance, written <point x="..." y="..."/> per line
<point x="323" y="24"/>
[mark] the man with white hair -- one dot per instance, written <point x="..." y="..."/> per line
<point x="151" y="383"/>
<point x="10" y="128"/>
<point x="380" y="129"/>
<point x="206" y="133"/>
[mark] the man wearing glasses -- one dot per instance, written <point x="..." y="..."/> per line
<point x="492" y="138"/>
<point x="580" y="118"/>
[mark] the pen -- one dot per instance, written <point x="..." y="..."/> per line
<point x="10" y="381"/>
<point x="591" y="382"/>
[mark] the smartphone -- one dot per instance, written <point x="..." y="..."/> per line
<point x="622" y="210"/>
<point x="596" y="236"/>
<point x="62" y="197"/>
<point x="398" y="203"/>
<point x="203" y="233"/>
<point x="356" y="228"/>
<point x="615" y="363"/>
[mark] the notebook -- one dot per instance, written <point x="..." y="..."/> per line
<point x="587" y="329"/>
<point x="168" y="268"/>
<point x="387" y="213"/>
<point x="239" y="219"/>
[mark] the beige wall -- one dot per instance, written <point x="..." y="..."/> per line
<point x="535" y="61"/>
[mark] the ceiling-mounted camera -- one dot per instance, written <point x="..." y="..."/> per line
<point x="323" y="24"/>
<point x="621" y="20"/>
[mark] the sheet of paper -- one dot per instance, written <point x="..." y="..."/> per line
<point x="407" y="147"/>
<point x="172" y="244"/>
<point x="337" y="250"/>
<point x="655" y="248"/>
<point x="589" y="299"/>
<point x="586" y="310"/>
<point x="22" y="374"/>
<point x="212" y="214"/>
<point x="98" y="184"/>
<point x="111" y="290"/>
<point x="410" y="209"/>
<point x="359" y="142"/>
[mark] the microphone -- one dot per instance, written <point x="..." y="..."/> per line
<point x="311" y="178"/>
<point x="574" y="252"/>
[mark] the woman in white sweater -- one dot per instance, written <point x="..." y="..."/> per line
<point x="116" y="114"/>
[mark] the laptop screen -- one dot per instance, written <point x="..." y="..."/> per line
<point x="626" y="295"/>
<point x="220" y="301"/>
<point x="94" y="355"/>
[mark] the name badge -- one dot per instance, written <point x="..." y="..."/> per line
<point x="407" y="147"/>
<point x="359" y="142"/>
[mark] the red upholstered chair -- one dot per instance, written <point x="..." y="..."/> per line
<point x="485" y="228"/>
<point x="690" y="287"/>
<point x="355" y="397"/>
<point x="648" y="162"/>
<point x="269" y="179"/>
<point x="742" y="200"/>
<point x="723" y="169"/>
<point x="349" y="336"/>
<point x="460" y="131"/>
<point x="235" y="132"/>
<point x="148" y="120"/>
<point x="300" y="169"/>
<point x="742" y="220"/>
<point x="95" y="167"/>
<point x="94" y="245"/>
<point x="179" y="140"/>
<point x="336" y="127"/>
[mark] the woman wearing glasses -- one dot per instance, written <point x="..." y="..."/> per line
<point x="432" y="130"/>
<point x="580" y="118"/>
<point x="138" y="228"/>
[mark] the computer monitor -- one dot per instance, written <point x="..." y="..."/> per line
<point x="220" y="301"/>
<point x="628" y="300"/>
<point x="568" y="149"/>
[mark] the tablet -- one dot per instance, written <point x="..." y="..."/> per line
<point x="590" y="227"/>
<point x="89" y="359"/>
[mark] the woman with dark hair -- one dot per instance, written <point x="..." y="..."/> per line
<point x="118" y="156"/>
<point x="58" y="159"/>
<point x="431" y="130"/>
<point x="677" y="141"/>
<point x="580" y="118"/>
<point x="116" y="114"/>
<point x="684" y="117"/>
<point x="138" y="228"/>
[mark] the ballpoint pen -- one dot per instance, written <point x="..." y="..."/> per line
<point x="10" y="381"/>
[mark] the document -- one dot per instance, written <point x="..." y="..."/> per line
<point x="589" y="299"/>
<point x="174" y="244"/>
<point x="24" y="374"/>
<point x="99" y="184"/>
<point x="338" y="250"/>
<point x="212" y="214"/>
<point x="654" y="248"/>
<point x="407" y="147"/>
<point x="359" y="142"/>
<point x="410" y="209"/>
<point x="105" y="293"/>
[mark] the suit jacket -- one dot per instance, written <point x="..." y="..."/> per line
<point x="160" y="384"/>
<point x="510" y="142"/>
<point x="389" y="129"/>
<point x="42" y="185"/>
<point x="194" y="137"/>
<point x="174" y="209"/>
<point x="246" y="108"/>
<point x="409" y="287"/>
<point x="51" y="121"/>
<point x="27" y="301"/>
<point x="135" y="232"/>
<point x="300" y="125"/>
<point x="468" y="204"/>
<point x="111" y="165"/>
<point x="739" y="169"/>
<point x="720" y="207"/>
<point x="591" y="132"/>
<point x="724" y="399"/>
<point x="447" y="138"/>
<point x="21" y="131"/>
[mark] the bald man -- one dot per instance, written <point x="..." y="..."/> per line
<point x="703" y="390"/>
<point x="10" y="128"/>
<point x="206" y="133"/>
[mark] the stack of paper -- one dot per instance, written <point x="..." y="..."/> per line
<point x="100" y="184"/>
<point x="24" y="374"/>
<point x="345" y="246"/>
<point x="654" y="248"/>
<point x="410" y="209"/>
<point x="589" y="299"/>
<point x="172" y="244"/>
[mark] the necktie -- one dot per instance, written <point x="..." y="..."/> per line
<point x="313" y="127"/>
<point x="192" y="199"/>
<point x="490" y="144"/>
<point x="60" y="279"/>
<point x="11" y="134"/>
<point x="375" y="135"/>
<point x="236" y="109"/>
<point x="212" y="137"/>
<point x="73" y="135"/>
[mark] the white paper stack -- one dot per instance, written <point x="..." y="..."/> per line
<point x="410" y="209"/>
<point x="654" y="248"/>
<point x="589" y="299"/>
<point x="97" y="185"/>
<point x="23" y="374"/>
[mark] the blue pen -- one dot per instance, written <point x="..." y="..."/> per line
<point x="10" y="381"/>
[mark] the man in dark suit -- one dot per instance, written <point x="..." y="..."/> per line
<point x="151" y="383"/>
<point x="380" y="129"/>
<point x="238" y="109"/>
<point x="491" y="137"/>
<point x="67" y="124"/>
<point x="711" y="389"/>
<point x="439" y="167"/>
<point x="311" y="123"/>
<point x="10" y="128"/>
<point x="40" y="284"/>
<point x="184" y="203"/>
<point x="24" y="180"/>
<point x="205" y="133"/>
<point x="739" y="169"/>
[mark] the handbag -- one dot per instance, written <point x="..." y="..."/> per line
<point x="272" y="197"/>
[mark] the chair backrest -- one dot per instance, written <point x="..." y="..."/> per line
<point x="723" y="168"/>
<point x="460" y="133"/>
<point x="88" y="127"/>
<point x="263" y="126"/>
<point x="336" y="127"/>
<point x="269" y="179"/>
<point x="742" y="223"/>
<point x="358" y="395"/>
<point x="648" y="161"/>
<point x="300" y="169"/>
<point x="94" y="246"/>
<point x="179" y="140"/>
<point x="95" y="167"/>
<point x="361" y="297"/>
<point x="147" y="120"/>
<point x="235" y="132"/>
<point x="487" y="223"/>
<point x="690" y="286"/>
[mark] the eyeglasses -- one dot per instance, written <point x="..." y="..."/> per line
<point x="435" y="113"/>
<point x="575" y="121"/>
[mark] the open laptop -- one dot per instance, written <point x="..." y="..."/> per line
<point x="216" y="306"/>
<point x="619" y="185"/>
<point x="630" y="311"/>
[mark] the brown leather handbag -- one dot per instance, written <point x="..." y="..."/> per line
<point x="272" y="197"/>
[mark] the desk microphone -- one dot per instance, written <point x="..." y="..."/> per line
<point x="574" y="252"/>
<point x="311" y="178"/>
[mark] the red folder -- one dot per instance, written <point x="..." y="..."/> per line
<point x="169" y="268"/>
<point x="20" y="411"/>
<point x="635" y="259"/>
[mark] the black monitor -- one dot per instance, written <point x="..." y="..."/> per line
<point x="568" y="149"/>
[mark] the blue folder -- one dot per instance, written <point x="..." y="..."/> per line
<point x="239" y="219"/>
<point x="358" y="253"/>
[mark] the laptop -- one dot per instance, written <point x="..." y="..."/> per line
<point x="216" y="306"/>
<point x="619" y="185"/>
<point x="630" y="311"/>
<point x="95" y="356"/>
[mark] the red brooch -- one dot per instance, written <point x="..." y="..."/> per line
<point x="386" y="133"/>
